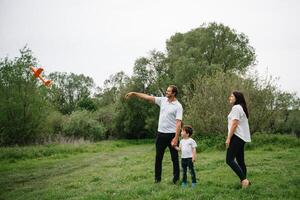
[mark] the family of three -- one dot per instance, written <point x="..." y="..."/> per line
<point x="170" y="126"/>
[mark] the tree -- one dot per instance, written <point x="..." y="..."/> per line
<point x="108" y="98"/>
<point x="87" y="103"/>
<point x="137" y="118"/>
<point x="207" y="108"/>
<point x="68" y="90"/>
<point x="22" y="102"/>
<point x="196" y="54"/>
<point x="152" y="73"/>
<point x="205" y="50"/>
<point x="111" y="90"/>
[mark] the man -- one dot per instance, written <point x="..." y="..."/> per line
<point x="169" y="125"/>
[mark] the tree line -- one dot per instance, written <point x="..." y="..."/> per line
<point x="206" y="64"/>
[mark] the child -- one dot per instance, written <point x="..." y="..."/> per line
<point x="187" y="146"/>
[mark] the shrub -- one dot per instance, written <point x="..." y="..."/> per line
<point x="53" y="124"/>
<point x="81" y="124"/>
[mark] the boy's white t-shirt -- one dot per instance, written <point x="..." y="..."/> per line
<point x="242" y="130"/>
<point x="186" y="146"/>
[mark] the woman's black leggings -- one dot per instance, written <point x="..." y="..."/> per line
<point x="236" y="151"/>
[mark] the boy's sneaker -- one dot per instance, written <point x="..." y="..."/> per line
<point x="193" y="185"/>
<point x="183" y="184"/>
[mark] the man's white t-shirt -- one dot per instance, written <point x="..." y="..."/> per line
<point x="242" y="130"/>
<point x="186" y="146"/>
<point x="169" y="113"/>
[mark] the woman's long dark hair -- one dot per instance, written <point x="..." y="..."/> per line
<point x="240" y="99"/>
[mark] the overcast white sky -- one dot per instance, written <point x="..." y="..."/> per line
<point x="102" y="37"/>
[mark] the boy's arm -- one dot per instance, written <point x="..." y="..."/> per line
<point x="177" y="148"/>
<point x="194" y="154"/>
<point x="141" y="96"/>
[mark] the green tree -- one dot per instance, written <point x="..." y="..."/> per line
<point x="23" y="103"/>
<point x="107" y="115"/>
<point x="107" y="99"/>
<point x="110" y="93"/>
<point x="87" y="103"/>
<point x="207" y="107"/>
<point x="137" y="118"/>
<point x="205" y="50"/>
<point x="69" y="89"/>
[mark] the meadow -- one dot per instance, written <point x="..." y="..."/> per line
<point x="124" y="169"/>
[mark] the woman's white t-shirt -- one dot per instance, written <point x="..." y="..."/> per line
<point x="242" y="130"/>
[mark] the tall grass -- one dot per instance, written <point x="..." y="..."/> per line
<point x="259" y="140"/>
<point x="69" y="147"/>
<point x="124" y="169"/>
<point x="63" y="149"/>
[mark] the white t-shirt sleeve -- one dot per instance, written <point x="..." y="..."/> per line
<point x="236" y="113"/>
<point x="158" y="100"/>
<point x="194" y="144"/>
<point x="179" y="112"/>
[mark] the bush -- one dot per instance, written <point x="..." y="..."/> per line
<point x="259" y="140"/>
<point x="276" y="140"/>
<point x="207" y="104"/>
<point x="81" y="124"/>
<point x="53" y="124"/>
<point x="210" y="142"/>
<point x="106" y="116"/>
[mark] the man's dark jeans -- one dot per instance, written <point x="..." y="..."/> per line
<point x="163" y="140"/>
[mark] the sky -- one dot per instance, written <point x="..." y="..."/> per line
<point x="98" y="38"/>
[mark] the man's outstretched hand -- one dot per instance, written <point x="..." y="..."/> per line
<point x="128" y="95"/>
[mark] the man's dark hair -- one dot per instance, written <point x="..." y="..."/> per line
<point x="240" y="100"/>
<point x="174" y="89"/>
<point x="188" y="129"/>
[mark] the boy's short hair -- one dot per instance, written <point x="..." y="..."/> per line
<point x="188" y="129"/>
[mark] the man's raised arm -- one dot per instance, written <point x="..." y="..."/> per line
<point x="141" y="96"/>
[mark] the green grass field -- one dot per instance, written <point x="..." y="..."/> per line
<point x="125" y="170"/>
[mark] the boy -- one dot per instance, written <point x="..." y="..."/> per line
<point x="187" y="146"/>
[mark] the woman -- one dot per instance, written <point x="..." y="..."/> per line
<point x="238" y="135"/>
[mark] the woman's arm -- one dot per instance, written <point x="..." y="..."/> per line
<point x="234" y="124"/>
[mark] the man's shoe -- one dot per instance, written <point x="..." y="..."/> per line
<point x="175" y="181"/>
<point x="193" y="185"/>
<point x="157" y="181"/>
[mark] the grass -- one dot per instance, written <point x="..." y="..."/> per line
<point x="125" y="170"/>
